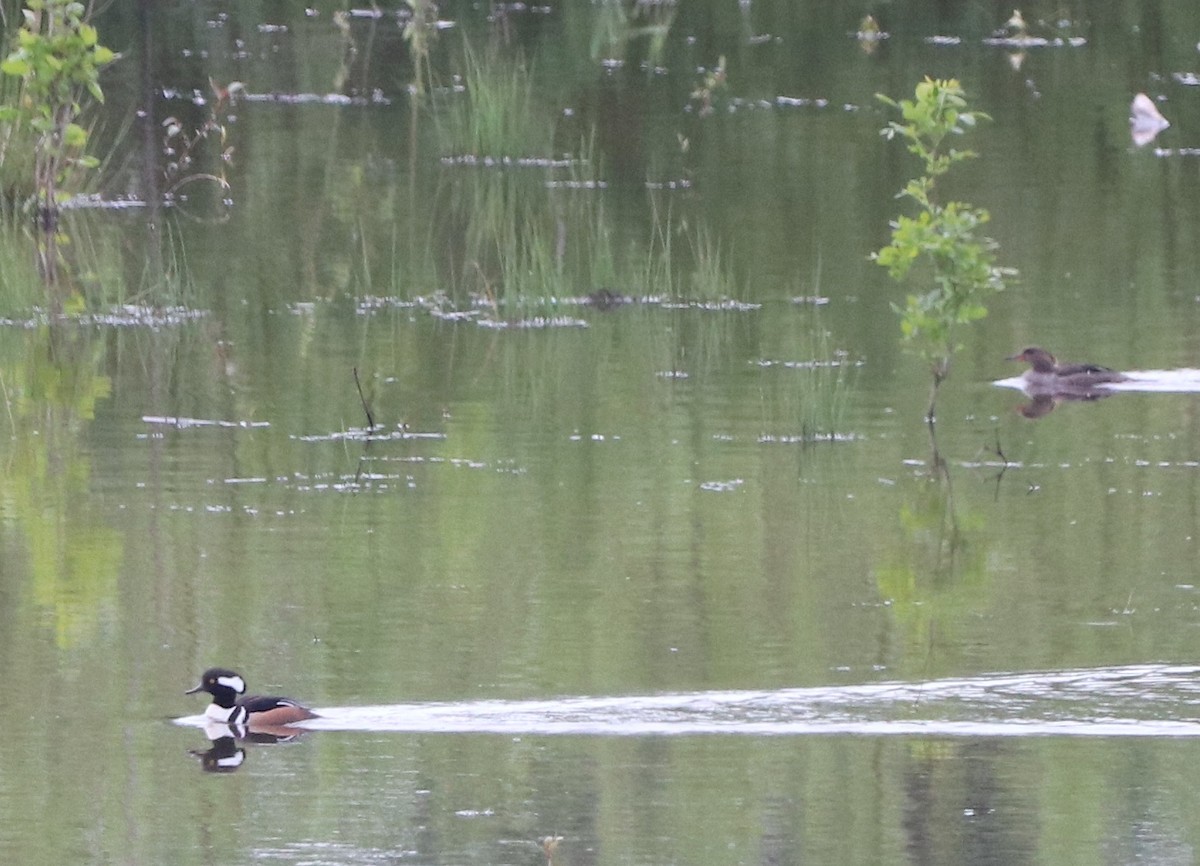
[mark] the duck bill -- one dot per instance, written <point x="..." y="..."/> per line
<point x="193" y="691"/>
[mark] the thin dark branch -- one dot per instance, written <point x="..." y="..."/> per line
<point x="363" y="399"/>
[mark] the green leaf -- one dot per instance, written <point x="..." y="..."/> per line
<point x="15" y="66"/>
<point x="102" y="56"/>
<point x="75" y="135"/>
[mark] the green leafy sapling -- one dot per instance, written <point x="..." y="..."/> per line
<point x="57" y="57"/>
<point x="960" y="266"/>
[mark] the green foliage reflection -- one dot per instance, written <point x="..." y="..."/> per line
<point x="934" y="578"/>
<point x="51" y="387"/>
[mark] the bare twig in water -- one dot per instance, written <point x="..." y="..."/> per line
<point x="999" y="452"/>
<point x="363" y="399"/>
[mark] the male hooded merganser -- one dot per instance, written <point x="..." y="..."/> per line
<point x="1046" y="374"/>
<point x="255" y="711"/>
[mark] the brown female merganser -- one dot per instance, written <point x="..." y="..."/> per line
<point x="228" y="708"/>
<point x="1046" y="374"/>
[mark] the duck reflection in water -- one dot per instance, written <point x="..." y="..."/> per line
<point x="225" y="753"/>
<point x="1048" y="383"/>
<point x="1044" y="403"/>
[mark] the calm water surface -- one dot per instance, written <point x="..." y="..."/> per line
<point x="676" y="581"/>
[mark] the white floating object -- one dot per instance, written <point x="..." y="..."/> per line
<point x="1145" y="120"/>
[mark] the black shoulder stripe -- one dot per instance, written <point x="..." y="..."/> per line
<point x="263" y="703"/>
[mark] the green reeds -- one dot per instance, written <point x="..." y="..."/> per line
<point x="512" y="241"/>
<point x="712" y="279"/>
<point x="685" y="263"/>
<point x="498" y="116"/>
<point x="810" y="406"/>
<point x="517" y="226"/>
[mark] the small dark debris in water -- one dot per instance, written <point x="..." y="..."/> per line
<point x="682" y="183"/>
<point x="722" y="306"/>
<point x="472" y="160"/>
<point x="488" y="314"/>
<point x="126" y="316"/>
<point x="840" y="361"/>
<point x="95" y="201"/>
<point x="1013" y="41"/>
<point x="455" y="315"/>
<point x="534" y="323"/>
<point x="739" y="104"/>
<point x="500" y="9"/>
<point x="800" y="102"/>
<point x="382" y="481"/>
<point x="135" y="316"/>
<point x="722" y="486"/>
<point x="809" y="438"/>
<point x="339" y="99"/>
<point x="358" y="434"/>
<point x="196" y="97"/>
<point x="371" y="304"/>
<point x="606" y="299"/>
<point x="592" y="437"/>
<point x="181" y="423"/>
<point x="402" y="15"/>
<point x="576" y="184"/>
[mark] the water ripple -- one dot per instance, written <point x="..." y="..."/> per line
<point x="1140" y="700"/>
<point x="1182" y="381"/>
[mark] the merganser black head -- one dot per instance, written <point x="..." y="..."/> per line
<point x="224" y="685"/>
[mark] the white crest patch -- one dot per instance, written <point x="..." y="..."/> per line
<point x="235" y="682"/>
